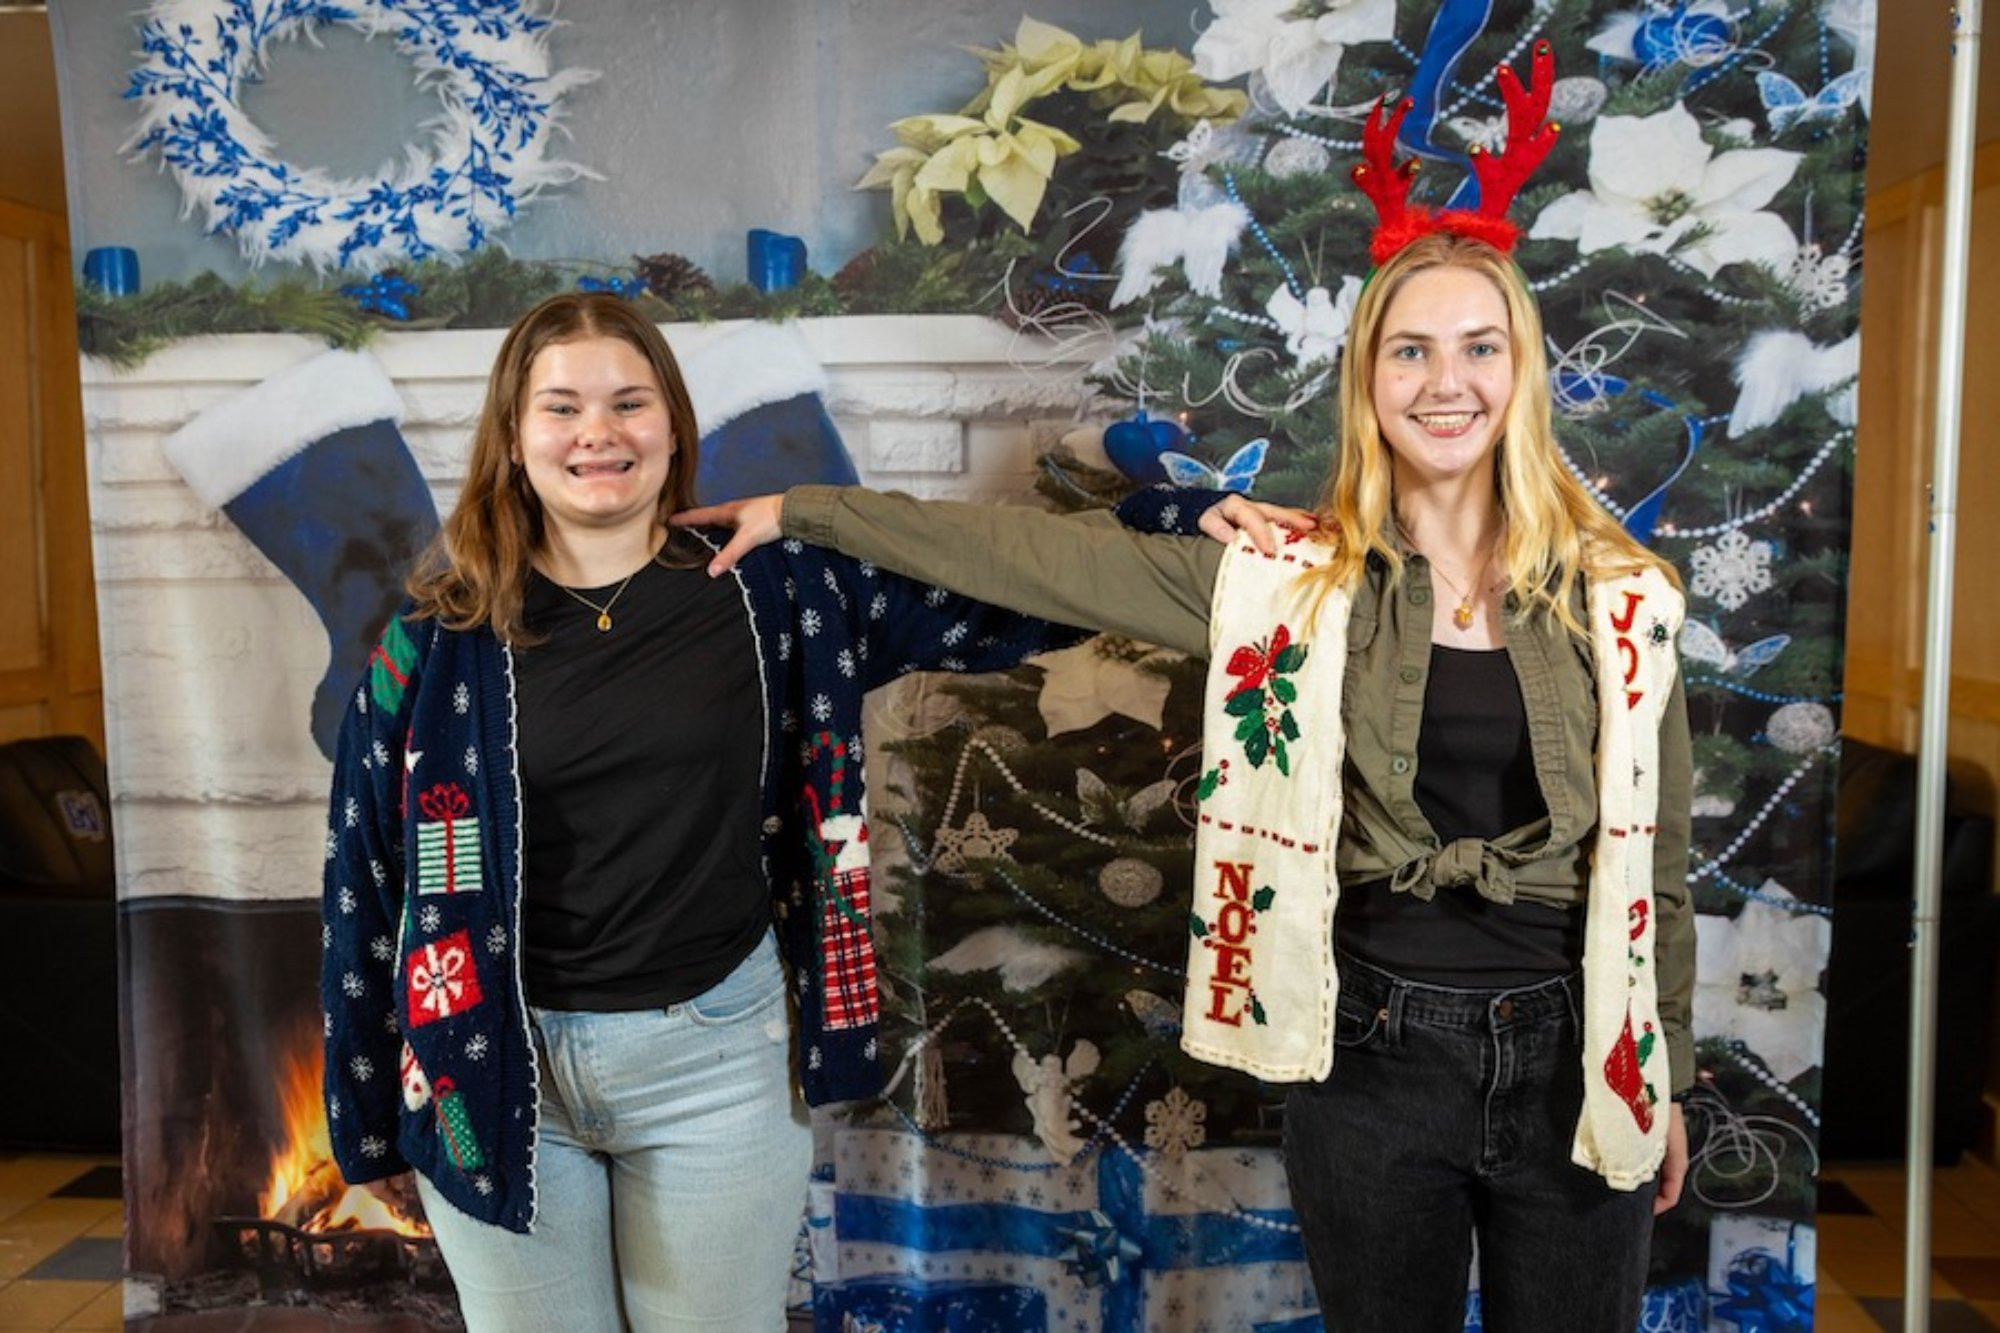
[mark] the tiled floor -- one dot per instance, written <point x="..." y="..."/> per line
<point x="1861" y="1212"/>
<point x="61" y="1223"/>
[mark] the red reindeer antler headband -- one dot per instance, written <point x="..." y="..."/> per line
<point x="1530" y="136"/>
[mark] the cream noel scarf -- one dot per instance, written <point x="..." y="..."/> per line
<point x="1261" y="977"/>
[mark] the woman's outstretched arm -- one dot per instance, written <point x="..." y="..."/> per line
<point x="1082" y="569"/>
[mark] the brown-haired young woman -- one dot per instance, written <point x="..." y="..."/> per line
<point x="577" y="788"/>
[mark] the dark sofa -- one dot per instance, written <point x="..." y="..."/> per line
<point x="58" y="949"/>
<point x="1864" y="1097"/>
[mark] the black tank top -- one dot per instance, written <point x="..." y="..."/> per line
<point x="1475" y="779"/>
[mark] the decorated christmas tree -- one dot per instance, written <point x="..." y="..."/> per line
<point x="1694" y="239"/>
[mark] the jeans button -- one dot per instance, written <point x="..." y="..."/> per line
<point x="1504" y="1010"/>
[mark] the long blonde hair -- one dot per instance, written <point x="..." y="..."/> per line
<point x="1555" y="532"/>
<point x="475" y="572"/>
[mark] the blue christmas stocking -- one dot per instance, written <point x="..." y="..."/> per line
<point x="311" y="466"/>
<point x="757" y="397"/>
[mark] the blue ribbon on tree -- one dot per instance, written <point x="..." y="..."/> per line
<point x="1457" y="25"/>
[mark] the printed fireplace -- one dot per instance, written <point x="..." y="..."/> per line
<point x="233" y="1200"/>
<point x="314" y="1231"/>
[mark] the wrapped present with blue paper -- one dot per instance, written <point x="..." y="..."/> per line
<point x="1116" y="1241"/>
<point x="889" y="1305"/>
<point x="1761" y="1274"/>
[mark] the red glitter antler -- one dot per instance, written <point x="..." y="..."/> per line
<point x="1386" y="183"/>
<point x="1530" y="136"/>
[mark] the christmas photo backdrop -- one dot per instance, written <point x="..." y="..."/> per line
<point x="1091" y="248"/>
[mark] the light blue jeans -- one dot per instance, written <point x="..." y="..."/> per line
<point x="670" y="1171"/>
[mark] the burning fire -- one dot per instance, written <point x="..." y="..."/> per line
<point x="306" y="1189"/>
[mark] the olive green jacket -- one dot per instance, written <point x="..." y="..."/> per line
<point x="1090" y="570"/>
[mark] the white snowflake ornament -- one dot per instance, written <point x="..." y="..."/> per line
<point x="1731" y="570"/>
<point x="1175" y="1123"/>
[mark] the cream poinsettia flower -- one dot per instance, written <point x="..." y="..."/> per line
<point x="1125" y="76"/>
<point x="1296" y="56"/>
<point x="1657" y="187"/>
<point x="1757" y="980"/>
<point x="999" y="155"/>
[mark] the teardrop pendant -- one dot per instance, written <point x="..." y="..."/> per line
<point x="1461" y="615"/>
<point x="603" y="621"/>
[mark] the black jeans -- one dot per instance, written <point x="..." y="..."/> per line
<point x="1449" y="1113"/>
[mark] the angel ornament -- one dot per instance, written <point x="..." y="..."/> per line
<point x="1047" y="1084"/>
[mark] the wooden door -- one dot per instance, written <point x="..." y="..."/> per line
<point x="50" y="679"/>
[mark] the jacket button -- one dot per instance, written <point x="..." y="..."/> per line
<point x="773" y="825"/>
<point x="1411" y="675"/>
<point x="1419" y="597"/>
<point x="1400" y="764"/>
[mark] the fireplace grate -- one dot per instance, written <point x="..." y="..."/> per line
<point x="286" y="1259"/>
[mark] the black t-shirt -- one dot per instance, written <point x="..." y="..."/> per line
<point x="641" y="749"/>
<point x="1475" y="779"/>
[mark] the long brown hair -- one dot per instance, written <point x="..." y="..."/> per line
<point x="1556" y="532"/>
<point x="476" y="571"/>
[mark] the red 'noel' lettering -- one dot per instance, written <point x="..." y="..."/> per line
<point x="1235" y="923"/>
<point x="1235" y="881"/>
<point x="1219" y="997"/>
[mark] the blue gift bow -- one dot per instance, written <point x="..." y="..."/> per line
<point x="1199" y="1240"/>
<point x="1765" y="1296"/>
<point x="629" y="288"/>
<point x="1099" y="1251"/>
<point x="383" y="294"/>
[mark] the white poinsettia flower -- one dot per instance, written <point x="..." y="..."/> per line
<point x="1296" y="56"/>
<point x="1657" y="187"/>
<point x="1757" y="980"/>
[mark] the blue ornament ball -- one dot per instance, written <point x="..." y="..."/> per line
<point x="1135" y="444"/>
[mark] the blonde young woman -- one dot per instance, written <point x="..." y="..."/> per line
<point x="577" y="785"/>
<point x="1445" y="730"/>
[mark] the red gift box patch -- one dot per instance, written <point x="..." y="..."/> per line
<point x="440" y="979"/>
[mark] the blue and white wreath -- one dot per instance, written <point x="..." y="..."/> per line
<point x="464" y="175"/>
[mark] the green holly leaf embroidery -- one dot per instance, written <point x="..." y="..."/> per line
<point x="1247" y="727"/>
<point x="1283" y="757"/>
<point x="1261" y="900"/>
<point x="1197" y="927"/>
<point x="1646" y="1047"/>
<point x="1209" y="782"/>
<point x="1257" y="1011"/>
<point x="1244" y="703"/>
<point x="1257" y="744"/>
<point x="1288" y="725"/>
<point x="1284" y="691"/>
<point x="1290" y="659"/>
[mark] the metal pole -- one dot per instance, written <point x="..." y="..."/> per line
<point x="1933" y="729"/>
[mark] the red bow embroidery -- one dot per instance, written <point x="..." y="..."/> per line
<point x="1255" y="664"/>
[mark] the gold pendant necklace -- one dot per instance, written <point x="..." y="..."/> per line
<point x="604" y="611"/>
<point x="1461" y="615"/>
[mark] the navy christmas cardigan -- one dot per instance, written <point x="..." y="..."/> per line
<point x="429" y="1063"/>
